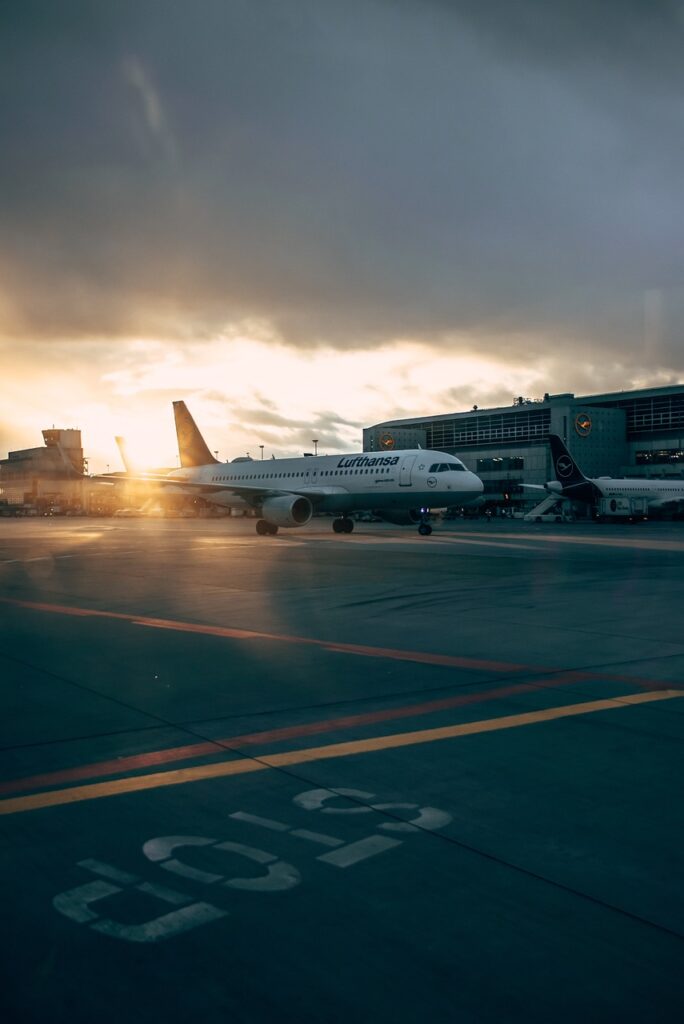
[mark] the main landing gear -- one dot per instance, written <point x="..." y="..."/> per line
<point x="263" y="527"/>
<point x="343" y="525"/>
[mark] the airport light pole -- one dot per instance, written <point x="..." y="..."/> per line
<point x="315" y="444"/>
<point x="262" y="452"/>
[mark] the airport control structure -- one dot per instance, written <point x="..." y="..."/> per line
<point x="54" y="480"/>
<point x="617" y="434"/>
<point x="49" y="479"/>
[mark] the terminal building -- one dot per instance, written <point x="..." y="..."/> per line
<point x="623" y="433"/>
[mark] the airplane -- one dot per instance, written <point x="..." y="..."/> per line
<point x="399" y="486"/>
<point x="570" y="482"/>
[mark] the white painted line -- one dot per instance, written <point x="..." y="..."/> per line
<point x="162" y="893"/>
<point x="165" y="927"/>
<point x="163" y="846"/>
<point x="98" y="867"/>
<point x="186" y="871"/>
<point x="316" y="837"/>
<point x="75" y="904"/>
<point x="254" y="819"/>
<point x="355" y="852"/>
<point x="279" y="826"/>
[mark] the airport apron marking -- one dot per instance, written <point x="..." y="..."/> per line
<point x="229" y="632"/>
<point x="226" y="744"/>
<point x="80" y="904"/>
<point x="613" y="542"/>
<point x="180" y="776"/>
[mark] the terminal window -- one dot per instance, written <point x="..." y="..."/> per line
<point x="504" y="463"/>
<point x="662" y="457"/>
<point x="505" y="487"/>
<point x="648" y="415"/>
<point x="519" y="427"/>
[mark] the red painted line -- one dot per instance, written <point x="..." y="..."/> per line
<point x="232" y="633"/>
<point x="120" y="765"/>
<point x="124" y="764"/>
<point x="112" y="767"/>
<point x="426" y="658"/>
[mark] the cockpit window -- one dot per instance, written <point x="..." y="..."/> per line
<point x="446" y="467"/>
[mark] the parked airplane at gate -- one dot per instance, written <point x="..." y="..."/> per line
<point x="570" y="482"/>
<point x="400" y="486"/>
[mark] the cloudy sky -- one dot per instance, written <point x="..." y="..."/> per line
<point x="305" y="216"/>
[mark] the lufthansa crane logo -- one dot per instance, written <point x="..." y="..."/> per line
<point x="564" y="466"/>
<point x="582" y="424"/>
<point x="387" y="441"/>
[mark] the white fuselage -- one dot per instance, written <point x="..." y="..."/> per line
<point x="656" y="492"/>
<point x="344" y="483"/>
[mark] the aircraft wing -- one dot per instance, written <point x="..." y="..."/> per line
<point x="128" y="478"/>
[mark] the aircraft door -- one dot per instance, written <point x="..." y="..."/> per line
<point x="405" y="471"/>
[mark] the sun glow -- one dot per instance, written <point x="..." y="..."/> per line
<point x="244" y="392"/>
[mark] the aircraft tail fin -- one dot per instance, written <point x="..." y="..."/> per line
<point x="121" y="445"/>
<point x="192" y="447"/>
<point x="566" y="469"/>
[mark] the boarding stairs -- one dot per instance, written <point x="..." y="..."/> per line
<point x="545" y="506"/>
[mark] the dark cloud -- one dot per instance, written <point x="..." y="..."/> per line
<point x="285" y="433"/>
<point x="273" y="419"/>
<point x="625" y="36"/>
<point x="351" y="172"/>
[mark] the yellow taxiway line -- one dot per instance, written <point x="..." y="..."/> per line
<point x="134" y="784"/>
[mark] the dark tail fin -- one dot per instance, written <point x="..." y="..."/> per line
<point x="192" y="447"/>
<point x="574" y="484"/>
<point x="566" y="469"/>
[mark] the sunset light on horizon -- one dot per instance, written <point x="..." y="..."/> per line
<point x="409" y="210"/>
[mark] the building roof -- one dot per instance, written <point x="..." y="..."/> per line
<point x="610" y="397"/>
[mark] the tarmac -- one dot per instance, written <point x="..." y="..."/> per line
<point x="323" y="778"/>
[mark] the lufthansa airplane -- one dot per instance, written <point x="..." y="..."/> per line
<point x="400" y="486"/>
<point x="570" y="482"/>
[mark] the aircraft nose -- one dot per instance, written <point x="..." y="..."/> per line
<point x="478" y="485"/>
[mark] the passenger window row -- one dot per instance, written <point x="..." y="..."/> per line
<point x="290" y="476"/>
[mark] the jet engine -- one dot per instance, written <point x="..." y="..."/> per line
<point x="287" y="510"/>
<point x="400" y="517"/>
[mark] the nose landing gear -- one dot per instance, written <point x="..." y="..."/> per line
<point x="424" y="528"/>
